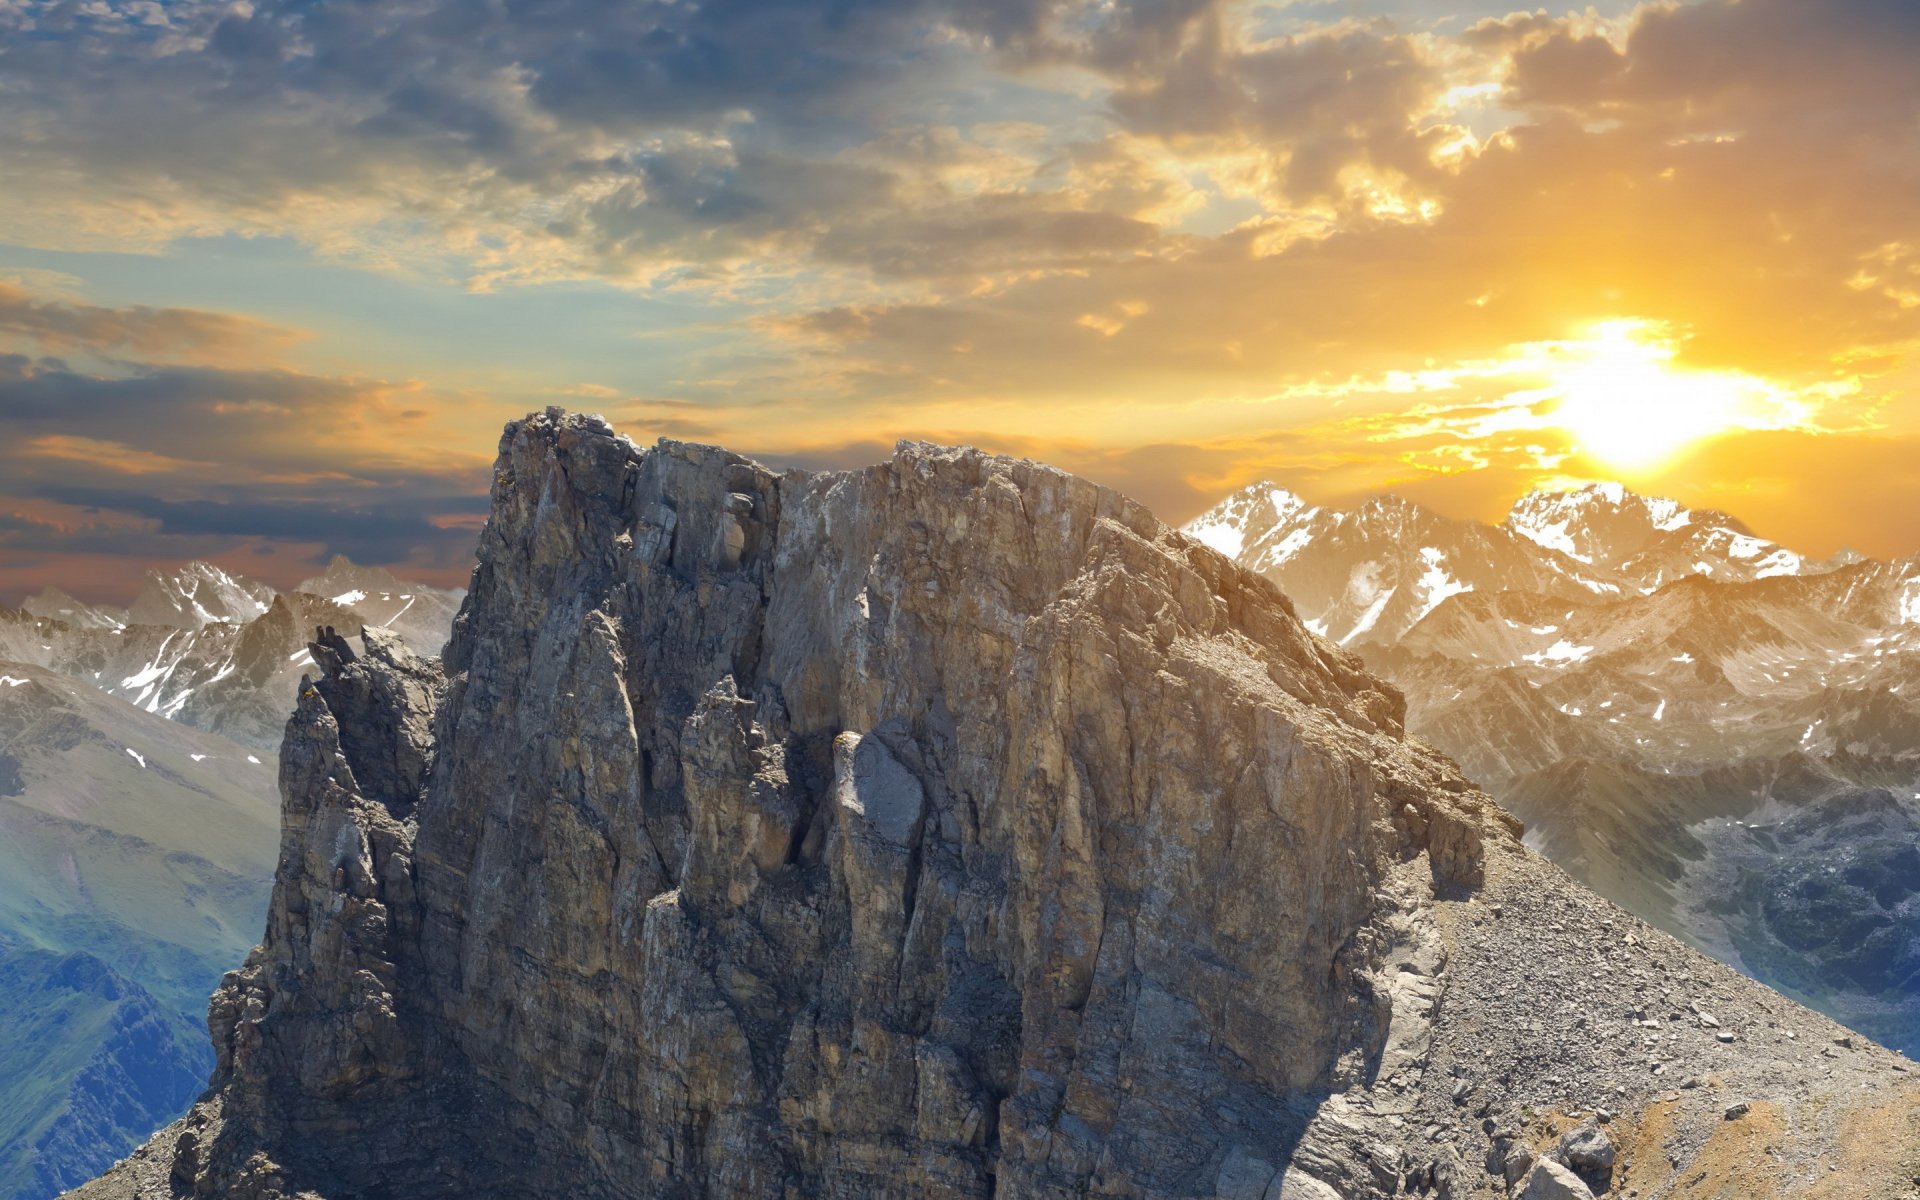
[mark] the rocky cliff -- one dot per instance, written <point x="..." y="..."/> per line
<point x="945" y="829"/>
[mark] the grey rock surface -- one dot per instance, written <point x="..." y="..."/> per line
<point x="1587" y="1148"/>
<point x="1719" y="735"/>
<point x="1551" y="1181"/>
<point x="949" y="828"/>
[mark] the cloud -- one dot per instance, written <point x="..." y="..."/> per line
<point x="1149" y="238"/>
<point x="1730" y="62"/>
<point x="1312" y="106"/>
<point x="159" y="462"/>
<point x="1769" y="204"/>
<point x="560" y="138"/>
<point x="59" y="326"/>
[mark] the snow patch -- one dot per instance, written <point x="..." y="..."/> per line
<point x="1910" y="603"/>
<point x="1553" y="537"/>
<point x="352" y="597"/>
<point x="197" y="757"/>
<point x="1284" y="550"/>
<point x="10" y="681"/>
<point x="388" y="623"/>
<point x="1436" y="584"/>
<point x="1561" y="652"/>
<point x="1364" y="587"/>
<point x="1668" y="515"/>
<point x="1370" y="617"/>
<point x="1225" y="536"/>
<point x="137" y="758"/>
<point x="253" y="760"/>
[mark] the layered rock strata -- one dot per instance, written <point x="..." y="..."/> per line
<point x="949" y="828"/>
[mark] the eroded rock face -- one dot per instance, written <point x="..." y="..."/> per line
<point x="945" y="829"/>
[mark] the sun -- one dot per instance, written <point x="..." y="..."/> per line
<point x="1618" y="393"/>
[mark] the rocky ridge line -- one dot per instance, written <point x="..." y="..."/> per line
<point x="948" y="829"/>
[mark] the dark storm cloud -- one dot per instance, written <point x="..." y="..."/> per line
<point x="277" y="420"/>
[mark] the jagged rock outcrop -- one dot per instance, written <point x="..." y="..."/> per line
<point x="949" y="828"/>
<point x="1714" y="732"/>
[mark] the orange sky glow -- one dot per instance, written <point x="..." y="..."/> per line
<point x="1349" y="247"/>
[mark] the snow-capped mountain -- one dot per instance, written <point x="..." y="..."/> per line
<point x="1369" y="574"/>
<point x="56" y="604"/>
<point x="1637" y="543"/>
<point x="189" y="596"/>
<point x="1697" y="672"/>
<point x="420" y="614"/>
<point x="1703" y="725"/>
<point x="232" y="675"/>
<point x="198" y="594"/>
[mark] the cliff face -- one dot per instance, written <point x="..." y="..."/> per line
<point x="945" y="829"/>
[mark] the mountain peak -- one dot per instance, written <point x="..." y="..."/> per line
<point x="947" y="828"/>
<point x="56" y="604"/>
<point x="1537" y="514"/>
<point x="1257" y="506"/>
<point x="196" y="594"/>
<point x="1648" y="540"/>
<point x="1373" y="570"/>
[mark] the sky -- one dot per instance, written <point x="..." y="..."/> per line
<point x="274" y="274"/>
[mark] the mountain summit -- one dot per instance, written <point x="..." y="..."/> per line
<point x="1646" y="542"/>
<point x="198" y="594"/>
<point x="949" y="828"/>
<point x="1368" y="574"/>
<point x="214" y="650"/>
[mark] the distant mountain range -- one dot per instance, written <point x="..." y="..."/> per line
<point x="138" y="835"/>
<point x="218" y="651"/>
<point x="1714" y="731"/>
<point x="1369" y="574"/>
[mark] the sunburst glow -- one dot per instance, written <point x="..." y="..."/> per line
<point x="1620" y="395"/>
